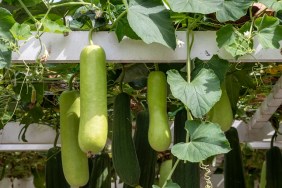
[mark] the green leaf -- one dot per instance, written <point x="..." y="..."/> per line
<point x="6" y="22"/>
<point x="218" y="65"/>
<point x="195" y="6"/>
<point x="233" y="10"/>
<point x="123" y="29"/>
<point x="269" y="32"/>
<point x="225" y="35"/>
<point x="32" y="116"/>
<point x="272" y="4"/>
<point x="21" y="31"/>
<point x="151" y="22"/>
<point x="5" y="118"/>
<point x="206" y="140"/>
<point x="54" y="27"/>
<point x="199" y="95"/>
<point x="236" y="42"/>
<point x="5" y="56"/>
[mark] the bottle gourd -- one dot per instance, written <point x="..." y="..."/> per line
<point x="93" y="127"/>
<point x="74" y="161"/>
<point x="221" y="113"/>
<point x="159" y="133"/>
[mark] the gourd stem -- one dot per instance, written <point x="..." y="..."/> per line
<point x="90" y="34"/>
<point x="71" y="81"/>
<point x="156" y="66"/>
<point x="121" y="79"/>
<point x="57" y="136"/>
<point x="272" y="139"/>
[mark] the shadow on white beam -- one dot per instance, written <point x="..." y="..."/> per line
<point x="248" y="135"/>
<point x="67" y="49"/>
<point x="35" y="134"/>
<point x="25" y="147"/>
<point x="264" y="144"/>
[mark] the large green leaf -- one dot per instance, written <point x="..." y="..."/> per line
<point x="272" y="4"/>
<point x="235" y="41"/>
<point x="232" y="10"/>
<point x="54" y="27"/>
<point x="269" y="32"/>
<point x="5" y="56"/>
<point x="151" y="21"/>
<point x="123" y="29"/>
<point x="21" y="31"/>
<point x="195" y="6"/>
<point x="199" y="95"/>
<point x="6" y="22"/>
<point x="225" y="36"/>
<point x="206" y="140"/>
<point x="218" y="65"/>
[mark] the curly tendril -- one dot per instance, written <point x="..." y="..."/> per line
<point x="207" y="177"/>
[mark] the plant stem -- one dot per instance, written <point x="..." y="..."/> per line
<point x="272" y="139"/>
<point x="118" y="18"/>
<point x="71" y="81"/>
<point x="27" y="11"/>
<point x="121" y="79"/>
<point x="166" y="3"/>
<point x="71" y="4"/>
<point x="188" y="62"/>
<point x="188" y="69"/>
<point x="125" y="4"/>
<point x="171" y="172"/>
<point x="156" y="66"/>
<point x="57" y="136"/>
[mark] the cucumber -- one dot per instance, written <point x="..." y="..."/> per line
<point x="101" y="172"/>
<point x="159" y="134"/>
<point x="54" y="175"/>
<point x="186" y="174"/>
<point x="273" y="168"/>
<point x="233" y="164"/>
<point x="147" y="157"/>
<point x="93" y="127"/>
<point x="75" y="161"/>
<point x="221" y="113"/>
<point x="124" y="155"/>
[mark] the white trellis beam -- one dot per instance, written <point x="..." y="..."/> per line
<point x="66" y="49"/>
